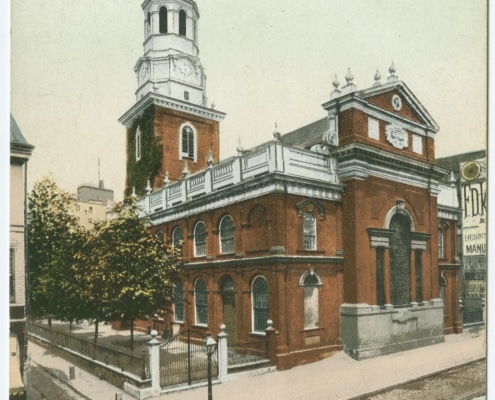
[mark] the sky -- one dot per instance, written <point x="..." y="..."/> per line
<point x="72" y="71"/>
<point x="71" y="75"/>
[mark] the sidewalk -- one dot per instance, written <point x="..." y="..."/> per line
<point x="338" y="377"/>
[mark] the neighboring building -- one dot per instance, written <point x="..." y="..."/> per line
<point x="330" y="231"/>
<point x="92" y="204"/>
<point x="469" y="175"/>
<point x="20" y="152"/>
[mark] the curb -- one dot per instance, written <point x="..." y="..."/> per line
<point x="59" y="379"/>
<point x="364" y="396"/>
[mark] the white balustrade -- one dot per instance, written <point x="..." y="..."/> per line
<point x="269" y="158"/>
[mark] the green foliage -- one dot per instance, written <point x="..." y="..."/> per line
<point x="126" y="268"/>
<point x="138" y="172"/>
<point x="54" y="237"/>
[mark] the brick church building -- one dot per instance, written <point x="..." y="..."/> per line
<point x="343" y="233"/>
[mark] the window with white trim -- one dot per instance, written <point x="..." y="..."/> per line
<point x="441" y="244"/>
<point x="310" y="282"/>
<point x="138" y="144"/>
<point x="188" y="144"/>
<point x="177" y="237"/>
<point x="309" y="231"/>
<point x="178" y="301"/>
<point x="226" y="235"/>
<point x="201" y="302"/>
<point x="259" y="300"/>
<point x="200" y="239"/>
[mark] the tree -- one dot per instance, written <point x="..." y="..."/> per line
<point x="54" y="237"/>
<point x="126" y="268"/>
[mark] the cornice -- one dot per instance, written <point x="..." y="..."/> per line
<point x="257" y="187"/>
<point x="358" y="99"/>
<point x="170" y="103"/>
<point x="260" y="261"/>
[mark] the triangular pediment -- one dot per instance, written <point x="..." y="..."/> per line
<point x="398" y="99"/>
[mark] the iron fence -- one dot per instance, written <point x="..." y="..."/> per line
<point x="133" y="363"/>
<point x="183" y="359"/>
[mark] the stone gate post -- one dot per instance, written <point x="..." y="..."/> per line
<point x="154" y="353"/>
<point x="223" y="358"/>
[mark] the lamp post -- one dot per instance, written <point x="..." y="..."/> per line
<point x="209" y="346"/>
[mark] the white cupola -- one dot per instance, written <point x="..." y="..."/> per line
<point x="170" y="64"/>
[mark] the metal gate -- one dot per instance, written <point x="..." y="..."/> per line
<point x="183" y="359"/>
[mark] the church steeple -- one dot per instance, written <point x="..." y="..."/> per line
<point x="170" y="65"/>
<point x="171" y="122"/>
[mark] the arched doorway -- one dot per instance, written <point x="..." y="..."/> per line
<point x="400" y="248"/>
<point x="227" y="289"/>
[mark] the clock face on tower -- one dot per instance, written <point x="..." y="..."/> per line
<point x="185" y="67"/>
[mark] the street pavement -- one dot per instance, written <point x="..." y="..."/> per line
<point x="337" y="377"/>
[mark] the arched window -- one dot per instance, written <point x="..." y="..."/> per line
<point x="259" y="299"/>
<point x="443" y="284"/>
<point x="163" y="20"/>
<point x="226" y="235"/>
<point x="201" y="302"/>
<point x="177" y="237"/>
<point x="200" y="239"/>
<point x="400" y="245"/>
<point x="311" y="282"/>
<point x="178" y="301"/>
<point x="188" y="142"/>
<point x="182" y="23"/>
<point x="309" y="231"/>
<point x="159" y="235"/>
<point x="441" y="243"/>
<point x="148" y="24"/>
<point x="138" y="144"/>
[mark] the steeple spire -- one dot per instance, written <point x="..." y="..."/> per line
<point x="170" y="64"/>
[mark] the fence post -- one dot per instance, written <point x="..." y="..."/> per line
<point x="271" y="337"/>
<point x="223" y="358"/>
<point x="154" y="352"/>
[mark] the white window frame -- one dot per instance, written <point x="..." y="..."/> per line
<point x="185" y="155"/>
<point x="138" y="144"/>
<point x="311" y="292"/>
<point x="175" y="303"/>
<point x="196" y="243"/>
<point x="306" y="244"/>
<point x="196" y="318"/>
<point x="174" y="233"/>
<point x="253" y="311"/>
<point x="222" y="239"/>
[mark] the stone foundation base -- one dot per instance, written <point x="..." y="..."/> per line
<point x="371" y="331"/>
<point x="286" y="361"/>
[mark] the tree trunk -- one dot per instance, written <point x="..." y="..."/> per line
<point x="96" y="330"/>
<point x="50" y="322"/>
<point x="132" y="334"/>
<point x="70" y="326"/>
